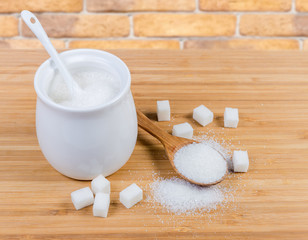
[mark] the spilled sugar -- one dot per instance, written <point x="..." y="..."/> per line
<point x="180" y="196"/>
<point x="200" y="163"/>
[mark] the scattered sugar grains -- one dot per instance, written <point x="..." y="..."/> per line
<point x="200" y="163"/>
<point x="180" y="196"/>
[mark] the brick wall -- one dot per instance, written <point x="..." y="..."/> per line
<point x="160" y="24"/>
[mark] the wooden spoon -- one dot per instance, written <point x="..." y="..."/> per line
<point x="171" y="143"/>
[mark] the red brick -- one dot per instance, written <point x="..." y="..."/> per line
<point x="274" y="25"/>
<point x="82" y="25"/>
<point x="11" y="6"/>
<point x="170" y="25"/>
<point x="140" y="5"/>
<point x="126" y="44"/>
<point x="249" y="44"/>
<point x="9" y="26"/>
<point x="245" y="5"/>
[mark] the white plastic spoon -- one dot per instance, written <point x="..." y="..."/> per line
<point x="34" y="24"/>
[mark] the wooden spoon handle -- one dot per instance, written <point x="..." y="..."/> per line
<point x="146" y="124"/>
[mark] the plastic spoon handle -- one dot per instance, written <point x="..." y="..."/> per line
<point x="34" y="24"/>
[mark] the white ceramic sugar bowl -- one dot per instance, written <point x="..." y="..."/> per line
<point x="83" y="143"/>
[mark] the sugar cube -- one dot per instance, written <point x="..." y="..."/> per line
<point x="131" y="195"/>
<point x="183" y="130"/>
<point x="240" y="161"/>
<point x="101" y="204"/>
<point x="100" y="184"/>
<point x="82" y="198"/>
<point x="231" y="118"/>
<point x="163" y="110"/>
<point x="203" y="115"/>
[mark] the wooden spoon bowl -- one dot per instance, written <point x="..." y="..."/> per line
<point x="171" y="143"/>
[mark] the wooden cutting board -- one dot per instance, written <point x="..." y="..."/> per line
<point x="270" y="201"/>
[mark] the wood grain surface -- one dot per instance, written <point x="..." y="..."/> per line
<point x="270" y="201"/>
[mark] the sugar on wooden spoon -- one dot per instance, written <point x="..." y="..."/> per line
<point x="194" y="161"/>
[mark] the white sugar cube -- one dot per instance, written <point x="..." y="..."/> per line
<point x="101" y="204"/>
<point x="183" y="130"/>
<point x="131" y="195"/>
<point x="163" y="110"/>
<point x="240" y="161"/>
<point x="231" y="118"/>
<point x="82" y="198"/>
<point x="100" y="184"/>
<point x="203" y="115"/>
